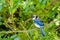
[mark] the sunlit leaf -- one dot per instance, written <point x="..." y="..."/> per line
<point x="13" y="36"/>
<point x="40" y="1"/>
<point x="13" y="6"/>
<point x="17" y="38"/>
<point x="0" y="6"/>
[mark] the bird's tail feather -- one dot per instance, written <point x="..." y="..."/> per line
<point x="42" y="32"/>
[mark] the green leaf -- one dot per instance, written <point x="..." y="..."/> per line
<point x="17" y="38"/>
<point x="53" y="12"/>
<point x="43" y="3"/>
<point x="0" y="23"/>
<point x="32" y="7"/>
<point x="0" y="18"/>
<point x="0" y="6"/>
<point x="14" y="6"/>
<point x="40" y="1"/>
<point x="27" y="10"/>
<point x="13" y="36"/>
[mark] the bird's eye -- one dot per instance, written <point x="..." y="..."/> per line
<point x="36" y="16"/>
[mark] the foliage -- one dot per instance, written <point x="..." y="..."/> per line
<point x="16" y="22"/>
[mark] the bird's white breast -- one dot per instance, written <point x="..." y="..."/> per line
<point x="37" y="25"/>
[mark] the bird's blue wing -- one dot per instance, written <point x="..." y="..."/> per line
<point x="38" y="22"/>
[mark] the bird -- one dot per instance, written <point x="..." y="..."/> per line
<point x="38" y="23"/>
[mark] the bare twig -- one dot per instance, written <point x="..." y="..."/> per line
<point x="24" y="23"/>
<point x="18" y="31"/>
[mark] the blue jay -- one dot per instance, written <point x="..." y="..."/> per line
<point x="38" y="23"/>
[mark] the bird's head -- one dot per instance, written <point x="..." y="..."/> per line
<point x="35" y="17"/>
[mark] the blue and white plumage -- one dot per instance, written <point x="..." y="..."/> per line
<point x="38" y="23"/>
